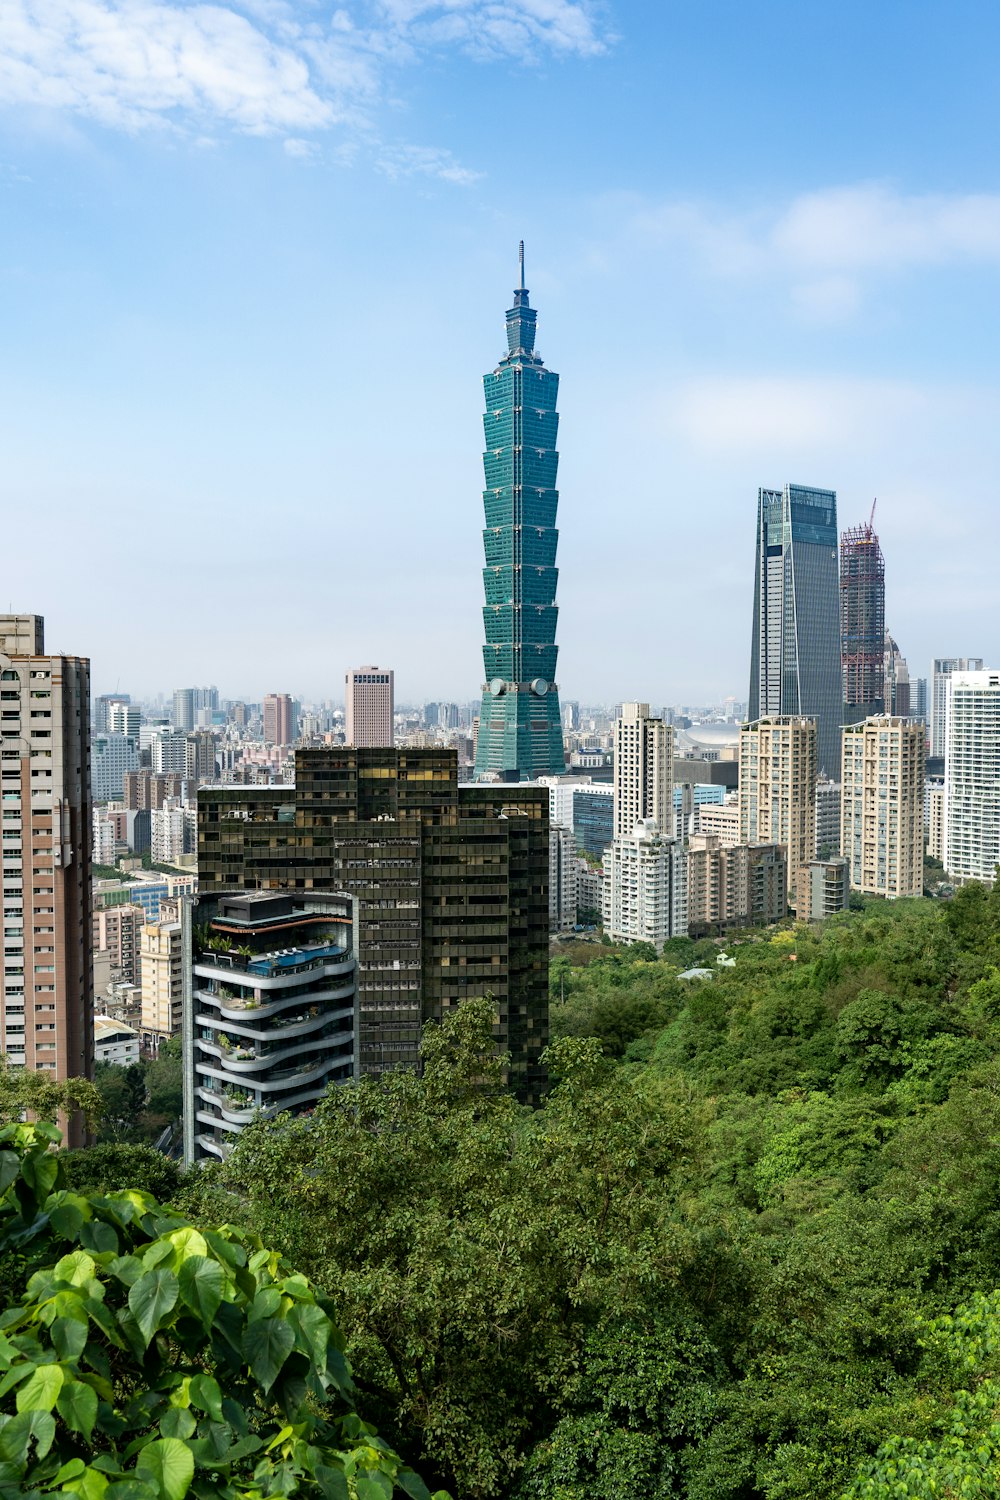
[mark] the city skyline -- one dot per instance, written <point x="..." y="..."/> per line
<point x="787" y="299"/>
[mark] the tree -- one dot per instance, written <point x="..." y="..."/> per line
<point x="117" y="1168"/>
<point x="475" y="1245"/>
<point x="38" y="1093"/>
<point x="147" y="1359"/>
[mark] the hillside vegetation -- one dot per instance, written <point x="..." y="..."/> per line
<point x="749" y="1247"/>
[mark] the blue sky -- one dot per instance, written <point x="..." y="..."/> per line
<point x="254" y="260"/>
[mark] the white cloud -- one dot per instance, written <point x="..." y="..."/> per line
<point x="259" y="66"/>
<point x="135" y="63"/>
<point x="490" y="28"/>
<point x="872" y="226"/>
<point x="762" y="414"/>
<point x="426" y="161"/>
<point x="825" y="246"/>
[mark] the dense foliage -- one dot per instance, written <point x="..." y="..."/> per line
<point x="139" y="1101"/>
<point x="748" y="1249"/>
<point x="146" y="1359"/>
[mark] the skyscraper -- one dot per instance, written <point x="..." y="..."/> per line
<point x="897" y="679"/>
<point x="278" y="719"/>
<point x="520" y="731"/>
<point x="46" y="937"/>
<point x="369" y="708"/>
<point x="795" y="666"/>
<point x="862" y="624"/>
<point x="942" y="669"/>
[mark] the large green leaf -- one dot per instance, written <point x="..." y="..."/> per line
<point x="266" y="1346"/>
<point x="78" y="1268"/>
<point x="206" y="1395"/>
<point x="202" y="1282"/>
<point x="18" y="1432"/>
<point x="10" y="1166"/>
<point x="77" y="1405"/>
<point x="170" y="1463"/>
<point x="69" y="1337"/>
<point x="152" y="1298"/>
<point x="40" y="1392"/>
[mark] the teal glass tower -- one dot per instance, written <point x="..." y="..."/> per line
<point x="520" y="733"/>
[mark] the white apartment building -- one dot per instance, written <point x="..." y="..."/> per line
<point x="643" y="771"/>
<point x="972" y="777"/>
<point x="564" y="878"/>
<point x="644" y="890"/>
<point x="125" y="718"/>
<point x="778" y="789"/>
<point x="882" y="812"/>
<point x="111" y="756"/>
<point x="105" y="838"/>
<point x="941" y="672"/>
<point x="369" y="707"/>
<point x="168" y="748"/>
<point x="173" y="833"/>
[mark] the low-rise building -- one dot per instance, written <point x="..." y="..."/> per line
<point x="825" y="885"/>
<point x="115" y="1042"/>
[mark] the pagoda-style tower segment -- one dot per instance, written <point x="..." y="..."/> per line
<point x="520" y="732"/>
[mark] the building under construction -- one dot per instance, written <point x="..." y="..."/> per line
<point x="862" y="621"/>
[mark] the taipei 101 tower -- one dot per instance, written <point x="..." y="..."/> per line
<point x="520" y="732"/>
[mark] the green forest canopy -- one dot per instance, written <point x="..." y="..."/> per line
<point x="748" y="1249"/>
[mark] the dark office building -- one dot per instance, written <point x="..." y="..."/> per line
<point x="593" y="821"/>
<point x="452" y="885"/>
<point x="795" y="663"/>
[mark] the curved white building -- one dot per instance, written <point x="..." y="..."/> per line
<point x="269" y="1009"/>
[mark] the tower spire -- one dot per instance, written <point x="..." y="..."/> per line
<point x="520" y="266"/>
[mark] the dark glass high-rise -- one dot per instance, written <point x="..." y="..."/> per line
<point x="795" y="665"/>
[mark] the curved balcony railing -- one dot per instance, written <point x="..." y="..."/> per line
<point x="277" y="1033"/>
<point x="236" y="1010"/>
<point x="338" y="1045"/>
<point x="279" y="970"/>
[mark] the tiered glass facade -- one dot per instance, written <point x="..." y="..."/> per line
<point x="520" y="732"/>
<point x="795" y="656"/>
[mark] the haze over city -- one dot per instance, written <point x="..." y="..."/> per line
<point x="255" y="262"/>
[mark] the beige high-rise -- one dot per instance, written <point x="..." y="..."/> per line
<point x="162" y="981"/>
<point x="735" y="885"/>
<point x="882" y="805"/>
<point x="369" y="708"/>
<point x="778" y="789"/>
<point x="644" y="771"/>
<point x="47" y="941"/>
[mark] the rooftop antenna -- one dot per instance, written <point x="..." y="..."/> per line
<point x="520" y="264"/>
